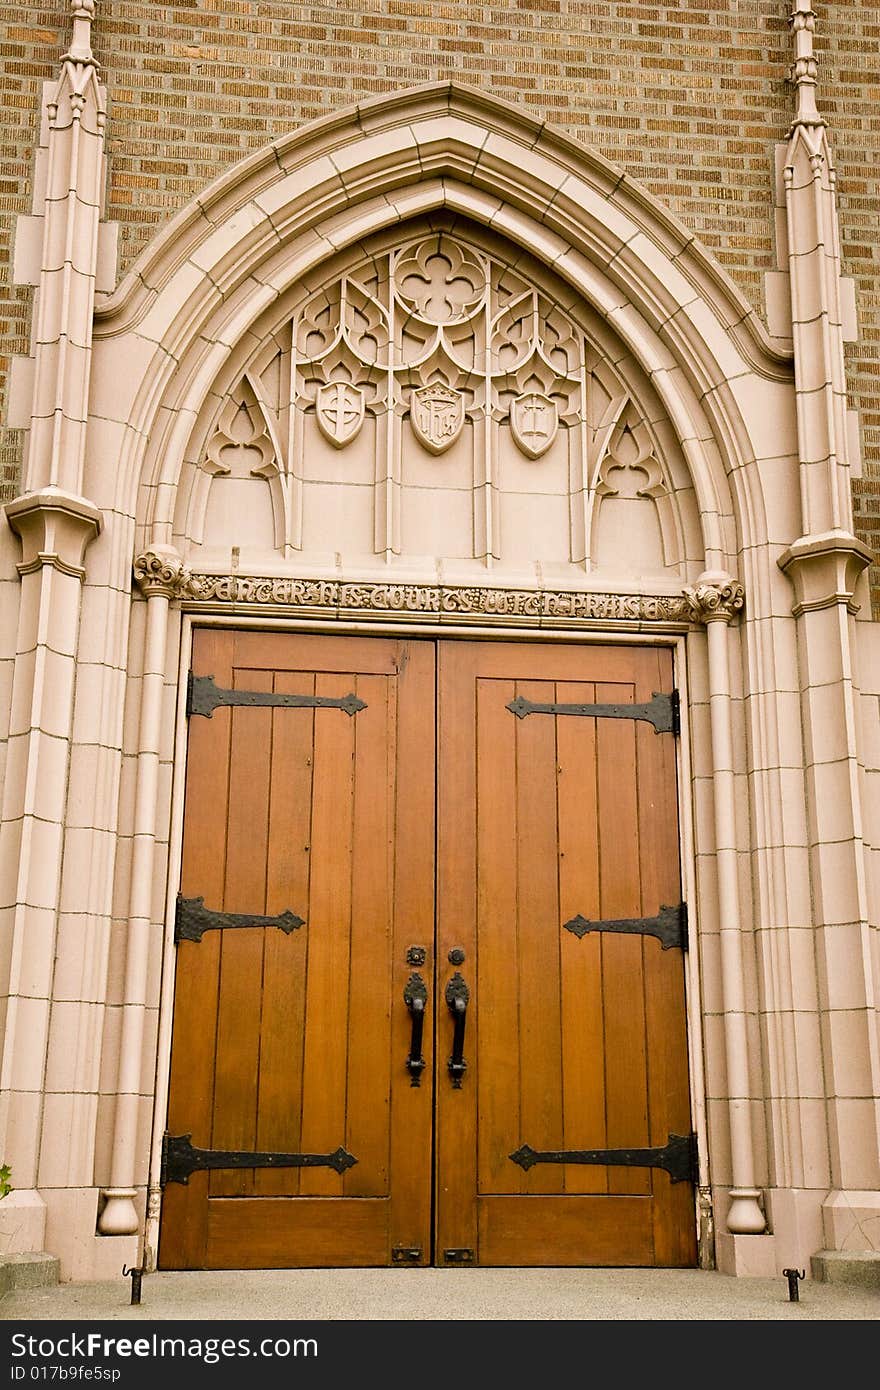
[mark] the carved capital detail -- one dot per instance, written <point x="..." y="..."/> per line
<point x="715" y="598"/>
<point x="160" y="570"/>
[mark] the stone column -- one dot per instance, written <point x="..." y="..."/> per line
<point x="161" y="576"/>
<point x="825" y="572"/>
<point x="825" y="565"/>
<point x="715" y="600"/>
<point x="55" y="524"/>
<point x="55" y="528"/>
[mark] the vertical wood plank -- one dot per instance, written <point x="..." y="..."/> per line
<point x="583" y="1047"/>
<point x="497" y="966"/>
<point x="456" y="1141"/>
<point x="239" y="1005"/>
<point x="327" y="987"/>
<point x="279" y="1119"/>
<point x="369" y="1019"/>
<point x="665" y="1018"/>
<point x="622" y="973"/>
<point x="412" y="1107"/>
<point x="537" y="930"/>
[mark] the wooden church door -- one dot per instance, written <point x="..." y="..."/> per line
<point x="429" y="997"/>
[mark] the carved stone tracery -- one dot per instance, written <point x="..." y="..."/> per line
<point x="434" y="348"/>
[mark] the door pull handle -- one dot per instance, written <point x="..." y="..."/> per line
<point x="415" y="996"/>
<point x="457" y="997"/>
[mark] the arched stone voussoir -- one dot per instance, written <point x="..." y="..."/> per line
<point x="433" y="133"/>
<point x="276" y="219"/>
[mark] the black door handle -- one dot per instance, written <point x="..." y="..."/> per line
<point x="457" y="996"/>
<point x="415" y="996"/>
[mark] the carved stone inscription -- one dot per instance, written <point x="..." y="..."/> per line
<point x="531" y="607"/>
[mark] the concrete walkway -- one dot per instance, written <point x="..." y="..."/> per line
<point x="441" y="1294"/>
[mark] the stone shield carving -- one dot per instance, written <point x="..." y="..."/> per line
<point x="339" y="410"/>
<point x="437" y="416"/>
<point x="534" y="421"/>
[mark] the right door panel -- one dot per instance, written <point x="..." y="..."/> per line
<point x="557" y="849"/>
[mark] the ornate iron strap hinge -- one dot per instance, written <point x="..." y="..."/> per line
<point x="678" y="1157"/>
<point x="670" y="926"/>
<point x="203" y="697"/>
<point x="180" y="1159"/>
<point x="661" y="710"/>
<point x="192" y="919"/>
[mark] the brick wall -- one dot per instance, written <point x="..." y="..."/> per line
<point x="690" y="98"/>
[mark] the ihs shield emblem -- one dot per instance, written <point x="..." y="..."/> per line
<point x="339" y="408"/>
<point x="534" y="421"/>
<point x="437" y="415"/>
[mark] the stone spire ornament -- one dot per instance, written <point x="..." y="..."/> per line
<point x="805" y="68"/>
<point x="80" y="50"/>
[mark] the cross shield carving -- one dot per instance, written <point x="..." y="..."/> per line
<point x="437" y="415"/>
<point x="534" y="421"/>
<point x="339" y="409"/>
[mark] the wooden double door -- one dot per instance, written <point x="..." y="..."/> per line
<point x="429" y="1002"/>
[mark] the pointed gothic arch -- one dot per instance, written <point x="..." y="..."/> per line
<point x="214" y="282"/>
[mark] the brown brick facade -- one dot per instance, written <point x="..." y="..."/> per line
<point x="689" y="98"/>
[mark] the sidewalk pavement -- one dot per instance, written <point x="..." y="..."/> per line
<point x="588" y="1295"/>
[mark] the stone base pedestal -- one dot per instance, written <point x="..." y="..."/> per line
<point x="851" y="1221"/>
<point x="70" y="1234"/>
<point x="22" y="1222"/>
<point x="795" y="1217"/>
<point x="746" y="1256"/>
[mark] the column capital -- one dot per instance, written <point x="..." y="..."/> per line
<point x="55" y="527"/>
<point x="825" y="569"/>
<point x="714" y="596"/>
<point x="160" y="570"/>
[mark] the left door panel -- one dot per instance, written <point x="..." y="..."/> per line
<point x="289" y="1042"/>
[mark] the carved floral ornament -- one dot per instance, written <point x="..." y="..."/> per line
<point x="160" y="571"/>
<point x="715" y="599"/>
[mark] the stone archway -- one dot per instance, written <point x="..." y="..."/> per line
<point x="702" y="444"/>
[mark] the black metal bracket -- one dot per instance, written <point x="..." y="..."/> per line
<point x="180" y="1159"/>
<point x="670" y="926"/>
<point x="459" y="1256"/>
<point x="678" y="1157"/>
<point x="203" y="697"/>
<point x="406" y="1254"/>
<point x="661" y="710"/>
<point x="192" y="919"/>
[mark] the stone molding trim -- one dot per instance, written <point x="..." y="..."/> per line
<point x="715" y="598"/>
<point x="471" y="603"/>
<point x="160" y="570"/>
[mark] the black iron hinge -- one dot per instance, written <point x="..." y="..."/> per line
<point x="180" y="1159"/>
<point x="677" y="1157"/>
<point x="669" y="925"/>
<point x="662" y="711"/>
<point x="203" y="697"/>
